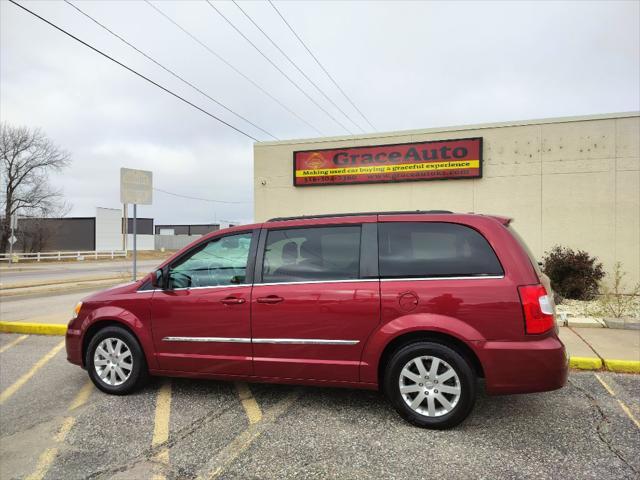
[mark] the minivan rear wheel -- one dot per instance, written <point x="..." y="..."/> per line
<point x="115" y="361"/>
<point x="430" y="385"/>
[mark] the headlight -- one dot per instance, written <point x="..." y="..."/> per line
<point x="76" y="309"/>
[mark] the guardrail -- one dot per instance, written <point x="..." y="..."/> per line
<point x="78" y="255"/>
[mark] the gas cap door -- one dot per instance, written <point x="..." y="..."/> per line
<point x="408" y="301"/>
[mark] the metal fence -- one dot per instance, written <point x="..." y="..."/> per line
<point x="78" y="255"/>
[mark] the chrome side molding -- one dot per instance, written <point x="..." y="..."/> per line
<point x="420" y="279"/>
<point x="207" y="339"/>
<point x="305" y="341"/>
<point x="355" y="280"/>
<point x="279" y="341"/>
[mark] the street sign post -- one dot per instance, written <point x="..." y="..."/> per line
<point x="13" y="226"/>
<point x="136" y="187"/>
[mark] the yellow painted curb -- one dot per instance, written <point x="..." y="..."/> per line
<point x="585" y="363"/>
<point x="622" y="366"/>
<point x="33" y="328"/>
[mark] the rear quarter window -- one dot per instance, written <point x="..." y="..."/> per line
<point x="525" y="247"/>
<point x="434" y="249"/>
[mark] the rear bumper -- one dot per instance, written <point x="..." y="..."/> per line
<point x="73" y="343"/>
<point x="523" y="367"/>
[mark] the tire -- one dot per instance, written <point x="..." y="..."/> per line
<point x="117" y="375"/>
<point x="411" y="367"/>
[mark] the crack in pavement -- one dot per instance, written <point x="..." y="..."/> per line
<point x="149" y="454"/>
<point x="225" y="457"/>
<point x="604" y="420"/>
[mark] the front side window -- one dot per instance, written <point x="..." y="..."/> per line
<point x="308" y="254"/>
<point x="222" y="261"/>
<point x="433" y="249"/>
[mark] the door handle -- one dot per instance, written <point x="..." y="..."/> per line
<point x="232" y="301"/>
<point x="270" y="299"/>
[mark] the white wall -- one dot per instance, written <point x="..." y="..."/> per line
<point x="108" y="229"/>
<point x="573" y="182"/>
<point x="174" y="242"/>
<point x="144" y="242"/>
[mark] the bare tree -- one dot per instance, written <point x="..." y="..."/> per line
<point x="28" y="157"/>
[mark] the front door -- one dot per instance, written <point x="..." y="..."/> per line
<point x="312" y="312"/>
<point x="201" y="322"/>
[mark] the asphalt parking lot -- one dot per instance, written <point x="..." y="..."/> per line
<point x="55" y="425"/>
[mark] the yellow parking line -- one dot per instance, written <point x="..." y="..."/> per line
<point x="82" y="396"/>
<point x="6" y="394"/>
<point x="623" y="406"/>
<point x="161" y="427"/>
<point x="44" y="462"/>
<point x="251" y="407"/>
<point x="65" y="428"/>
<point x="218" y="464"/>
<point x="13" y="343"/>
<point x="49" y="455"/>
<point x="605" y="385"/>
<point x="233" y="451"/>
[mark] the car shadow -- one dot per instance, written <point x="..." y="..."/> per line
<point x="368" y="404"/>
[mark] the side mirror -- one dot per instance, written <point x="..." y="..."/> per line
<point x="156" y="279"/>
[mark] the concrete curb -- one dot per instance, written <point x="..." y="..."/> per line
<point x="33" y="328"/>
<point x="622" y="366"/>
<point x="580" y="363"/>
<point x="585" y="363"/>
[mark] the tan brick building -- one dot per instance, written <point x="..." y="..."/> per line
<point x="568" y="181"/>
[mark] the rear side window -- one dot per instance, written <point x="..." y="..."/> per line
<point x="307" y="254"/>
<point x="431" y="249"/>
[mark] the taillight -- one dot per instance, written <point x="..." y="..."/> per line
<point x="538" y="309"/>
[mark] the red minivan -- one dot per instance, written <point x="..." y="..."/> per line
<point x="417" y="304"/>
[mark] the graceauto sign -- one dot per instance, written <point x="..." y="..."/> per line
<point x="407" y="162"/>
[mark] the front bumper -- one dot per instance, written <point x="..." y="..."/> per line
<point x="524" y="367"/>
<point x="73" y="343"/>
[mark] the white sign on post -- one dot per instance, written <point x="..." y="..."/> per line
<point x="136" y="186"/>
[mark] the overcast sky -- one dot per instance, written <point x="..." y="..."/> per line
<point x="406" y="65"/>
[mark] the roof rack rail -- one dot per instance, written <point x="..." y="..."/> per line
<point x="358" y="214"/>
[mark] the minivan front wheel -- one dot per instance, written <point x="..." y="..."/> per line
<point x="115" y="361"/>
<point x="430" y="385"/>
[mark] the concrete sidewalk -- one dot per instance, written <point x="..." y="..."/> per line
<point x="593" y="348"/>
<point x="601" y="342"/>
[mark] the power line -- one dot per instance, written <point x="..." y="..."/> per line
<point x="296" y="66"/>
<point x="168" y="70"/>
<point x="279" y="69"/>
<point x="198" y="198"/>
<point x="133" y="71"/>
<point x="230" y="65"/>
<point x="320" y="64"/>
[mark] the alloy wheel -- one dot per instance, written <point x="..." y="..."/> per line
<point x="113" y="361"/>
<point x="429" y="386"/>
